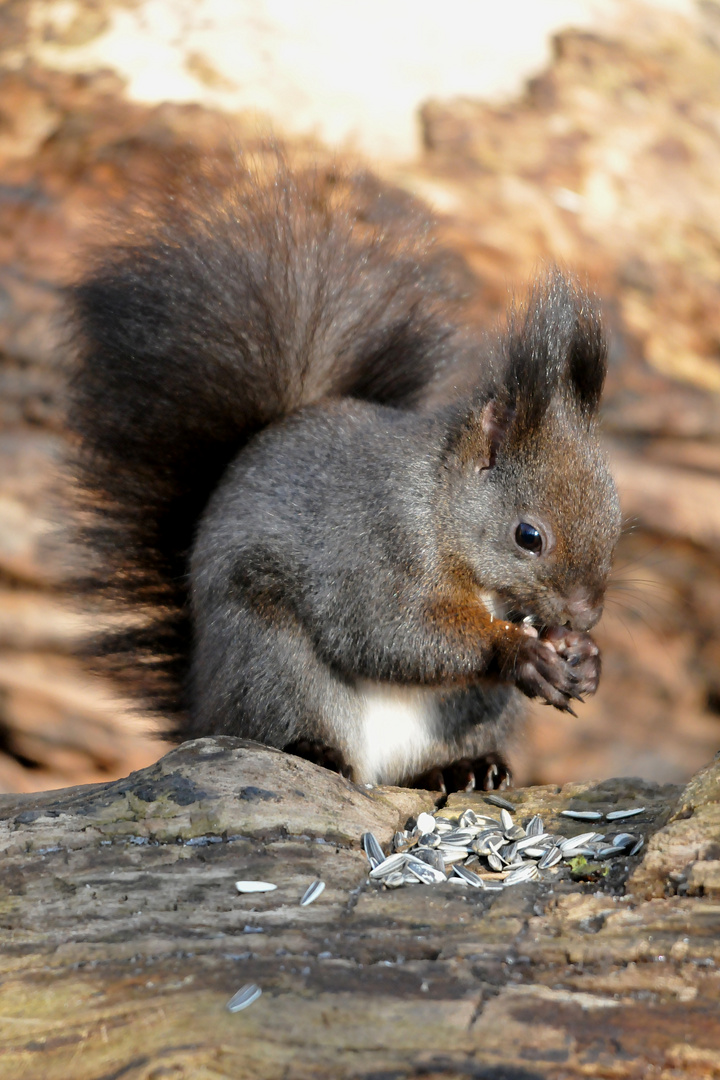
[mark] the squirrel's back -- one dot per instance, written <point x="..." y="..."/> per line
<point x="203" y="323"/>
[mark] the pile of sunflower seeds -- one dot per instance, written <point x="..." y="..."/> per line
<point x="490" y="853"/>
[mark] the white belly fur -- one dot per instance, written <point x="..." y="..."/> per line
<point x="397" y="726"/>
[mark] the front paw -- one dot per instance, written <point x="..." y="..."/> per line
<point x="559" y="667"/>
<point x="580" y="652"/>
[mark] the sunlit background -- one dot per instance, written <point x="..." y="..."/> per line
<point x="587" y="133"/>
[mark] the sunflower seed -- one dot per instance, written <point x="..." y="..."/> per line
<point x="506" y="819"/>
<point x="426" y="823"/>
<point x="254" y="886"/>
<point x="581" y="815"/>
<point x="430" y="840"/>
<point x="394" y="880"/>
<point x="393" y="862"/>
<point x="577" y="841"/>
<point x="427" y="874"/>
<point x="497" y="800"/>
<point x="529" y="872"/>
<point x="491" y="831"/>
<point x="432" y="858"/>
<point x="623" y="840"/>
<point x="403" y="842"/>
<point x="618" y="815"/>
<point x="312" y="892"/>
<point x="495" y="862"/>
<point x="459" y="836"/>
<point x="530" y="840"/>
<point x="244" y="997"/>
<point x="443" y="824"/>
<point x="486" y="842"/>
<point x="467" y="875"/>
<point x="535" y="852"/>
<point x="515" y="832"/>
<point x="636" y="846"/>
<point x="453" y="854"/>
<point x="469" y="817"/>
<point x="550" y="858"/>
<point x="410" y="879"/>
<point x="534" y="826"/>
<point x="486" y="822"/>
<point x="372" y="849"/>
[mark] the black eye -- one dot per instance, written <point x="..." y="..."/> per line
<point x="528" y="538"/>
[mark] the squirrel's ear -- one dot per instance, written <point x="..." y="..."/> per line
<point x="478" y="434"/>
<point x="555" y="347"/>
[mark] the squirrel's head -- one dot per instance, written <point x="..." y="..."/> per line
<point x="533" y="514"/>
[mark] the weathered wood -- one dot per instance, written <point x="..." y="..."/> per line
<point x="123" y="936"/>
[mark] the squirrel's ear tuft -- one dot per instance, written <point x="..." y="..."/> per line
<point x="555" y="347"/>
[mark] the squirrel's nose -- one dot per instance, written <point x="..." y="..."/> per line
<point x="583" y="611"/>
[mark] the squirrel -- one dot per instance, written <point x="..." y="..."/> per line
<point x="319" y="550"/>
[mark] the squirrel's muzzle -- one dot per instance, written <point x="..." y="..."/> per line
<point x="583" y="610"/>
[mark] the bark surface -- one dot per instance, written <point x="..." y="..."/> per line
<point x="123" y="936"/>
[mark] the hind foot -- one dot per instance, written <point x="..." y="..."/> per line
<point x="488" y="773"/>
<point x="319" y="754"/>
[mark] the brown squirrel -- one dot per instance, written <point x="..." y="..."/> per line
<point x="320" y="555"/>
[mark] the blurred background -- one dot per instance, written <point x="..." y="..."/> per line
<point x="580" y="132"/>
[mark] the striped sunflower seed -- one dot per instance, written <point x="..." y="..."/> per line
<point x="618" y="815"/>
<point x="430" y="840"/>
<point x="467" y="875"/>
<point x="531" y="840"/>
<point x="535" y="826"/>
<point x="581" y="815"/>
<point x="529" y="872"/>
<point x="312" y="892"/>
<point x="459" y="836"/>
<point x="245" y="996"/>
<point x="550" y="858"/>
<point x="453" y="854"/>
<point x="581" y="840"/>
<point x="372" y="849"/>
<point x="432" y="858"/>
<point x="497" y="800"/>
<point x="484" y="845"/>
<point x="427" y="874"/>
<point x="393" y="862"/>
<point x="394" y="880"/>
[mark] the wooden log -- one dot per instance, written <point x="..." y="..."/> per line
<point x="123" y="936"/>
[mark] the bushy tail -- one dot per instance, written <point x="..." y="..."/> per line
<point x="198" y="327"/>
